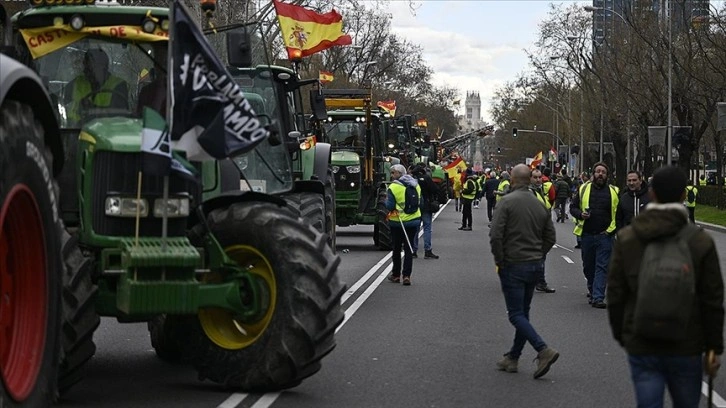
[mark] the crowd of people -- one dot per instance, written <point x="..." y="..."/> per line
<point x="637" y="244"/>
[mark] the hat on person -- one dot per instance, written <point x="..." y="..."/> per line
<point x="469" y="171"/>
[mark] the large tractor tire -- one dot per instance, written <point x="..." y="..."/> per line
<point x="80" y="319"/>
<point x="165" y="344"/>
<point x="31" y="268"/>
<point x="382" y="231"/>
<point x="297" y="271"/>
<point x="330" y="221"/>
<point x="308" y="206"/>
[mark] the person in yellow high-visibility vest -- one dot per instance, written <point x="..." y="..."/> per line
<point x="596" y="204"/>
<point x="403" y="225"/>
<point x="95" y="88"/>
<point x="690" y="201"/>
<point x="503" y="187"/>
<point x="537" y="188"/>
<point x="702" y="180"/>
<point x="468" y="193"/>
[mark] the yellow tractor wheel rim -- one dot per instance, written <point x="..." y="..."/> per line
<point x="220" y="325"/>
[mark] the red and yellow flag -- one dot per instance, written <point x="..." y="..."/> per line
<point x="536" y="161"/>
<point x="451" y="168"/>
<point x="422" y="122"/>
<point x="325" y="77"/>
<point x="306" y="32"/>
<point x="388" y="106"/>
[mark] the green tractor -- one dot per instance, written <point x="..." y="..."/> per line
<point x="275" y="93"/>
<point x="361" y="160"/>
<point x="227" y="276"/>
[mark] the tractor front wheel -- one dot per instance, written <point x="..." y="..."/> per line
<point x="296" y="271"/>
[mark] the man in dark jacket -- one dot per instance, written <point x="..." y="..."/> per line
<point x="522" y="233"/>
<point x="562" y="193"/>
<point x="429" y="193"/>
<point x="677" y="363"/>
<point x="490" y="186"/>
<point x="632" y="201"/>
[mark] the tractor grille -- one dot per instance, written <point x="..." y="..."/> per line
<point x="345" y="181"/>
<point x="117" y="174"/>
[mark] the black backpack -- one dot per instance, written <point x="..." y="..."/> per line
<point x="412" y="200"/>
<point x="691" y="195"/>
<point x="666" y="288"/>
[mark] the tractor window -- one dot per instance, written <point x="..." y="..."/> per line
<point x="95" y="78"/>
<point x="346" y="133"/>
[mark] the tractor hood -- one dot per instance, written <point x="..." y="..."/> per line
<point x="115" y="134"/>
<point x="345" y="158"/>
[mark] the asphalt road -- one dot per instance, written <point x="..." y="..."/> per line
<point x="433" y="344"/>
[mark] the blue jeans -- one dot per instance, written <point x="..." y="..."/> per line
<point x="596" y="250"/>
<point x="518" y="281"/>
<point x="426" y="218"/>
<point x="682" y="374"/>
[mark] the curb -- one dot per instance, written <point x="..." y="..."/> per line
<point x="712" y="227"/>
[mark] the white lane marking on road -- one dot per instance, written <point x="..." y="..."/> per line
<point x="365" y="278"/>
<point x="566" y="249"/>
<point x="349" y="312"/>
<point x="266" y="400"/>
<point x="567" y="259"/>
<point x="232" y="401"/>
<point x="718" y="402"/>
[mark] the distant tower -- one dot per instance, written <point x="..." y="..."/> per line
<point x="473" y="109"/>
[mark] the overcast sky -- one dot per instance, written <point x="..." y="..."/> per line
<point x="474" y="45"/>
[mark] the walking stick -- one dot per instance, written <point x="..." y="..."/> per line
<point x="710" y="358"/>
<point x="408" y="241"/>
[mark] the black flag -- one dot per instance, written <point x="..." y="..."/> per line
<point x="208" y="109"/>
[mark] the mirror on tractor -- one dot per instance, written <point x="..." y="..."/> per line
<point x="317" y="103"/>
<point x="239" y="48"/>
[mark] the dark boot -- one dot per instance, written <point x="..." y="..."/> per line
<point x="430" y="255"/>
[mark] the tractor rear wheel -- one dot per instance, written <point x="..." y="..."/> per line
<point x="297" y="274"/>
<point x="31" y="267"/>
<point x="382" y="231"/>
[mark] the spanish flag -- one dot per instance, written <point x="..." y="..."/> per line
<point x="305" y="32"/>
<point x="450" y="168"/>
<point x="422" y="123"/>
<point x="326" y="77"/>
<point x="537" y="160"/>
<point x="388" y="106"/>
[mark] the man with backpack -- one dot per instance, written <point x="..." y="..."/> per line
<point x="665" y="297"/>
<point x="404" y="203"/>
<point x="690" y="201"/>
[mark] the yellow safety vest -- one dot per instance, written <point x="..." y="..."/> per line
<point x="474" y="189"/>
<point x="541" y="198"/>
<point x="695" y="195"/>
<point x="701" y="182"/>
<point x="500" y="188"/>
<point x="82" y="88"/>
<point x="585" y="203"/>
<point x="399" y="194"/>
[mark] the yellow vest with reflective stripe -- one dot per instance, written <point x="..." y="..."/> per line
<point x="501" y="187"/>
<point x="541" y="198"/>
<point x="473" y="193"/>
<point x="695" y="195"/>
<point x="102" y="99"/>
<point x="399" y="194"/>
<point x="585" y="203"/>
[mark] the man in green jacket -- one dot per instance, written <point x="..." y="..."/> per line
<point x="677" y="363"/>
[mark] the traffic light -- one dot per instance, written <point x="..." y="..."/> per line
<point x="514" y="132"/>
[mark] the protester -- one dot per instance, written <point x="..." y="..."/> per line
<point x="633" y="200"/>
<point x="468" y="193"/>
<point x="490" y="186"/>
<point x="403" y="226"/>
<point x="690" y="199"/>
<point x="675" y="359"/>
<point x="562" y="194"/>
<point x="457" y="185"/>
<point x="430" y="195"/>
<point x="522" y="233"/>
<point x="595" y="205"/>
<point x="537" y="188"/>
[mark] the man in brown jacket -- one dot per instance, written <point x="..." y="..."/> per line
<point x="677" y="363"/>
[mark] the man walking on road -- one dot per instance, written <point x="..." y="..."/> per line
<point x="632" y="201"/>
<point x="490" y="186"/>
<point x="595" y="205"/>
<point x="673" y="354"/>
<point x="521" y="235"/>
<point x="403" y="225"/>
<point x="537" y="189"/>
<point x="430" y="195"/>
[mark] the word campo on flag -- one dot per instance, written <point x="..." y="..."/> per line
<point x="244" y="127"/>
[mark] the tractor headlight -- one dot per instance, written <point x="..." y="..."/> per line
<point x="353" y="169"/>
<point x="77" y="22"/>
<point x="126" y="207"/>
<point x="335" y="169"/>
<point x="175" y="207"/>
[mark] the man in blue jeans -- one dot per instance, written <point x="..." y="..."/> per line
<point x="675" y="362"/>
<point x="521" y="234"/>
<point x="429" y="193"/>
<point x="595" y="205"/>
